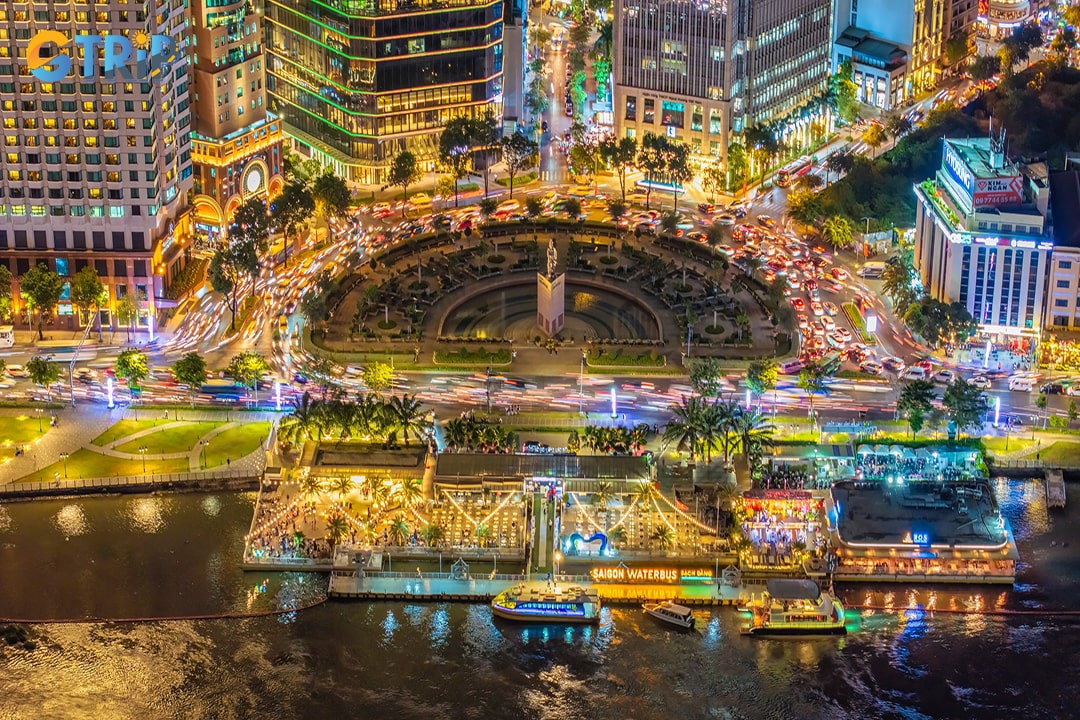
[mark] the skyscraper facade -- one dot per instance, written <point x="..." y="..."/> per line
<point x="96" y="166"/>
<point x="358" y="81"/>
<point x="236" y="142"/>
<point x="701" y="71"/>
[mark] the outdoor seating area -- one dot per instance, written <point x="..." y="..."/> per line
<point x="892" y="462"/>
<point x="778" y="527"/>
<point x="479" y="520"/>
<point x="810" y="467"/>
<point x="631" y="527"/>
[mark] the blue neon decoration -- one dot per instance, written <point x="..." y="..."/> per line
<point x="576" y="540"/>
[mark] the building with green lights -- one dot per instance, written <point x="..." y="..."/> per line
<point x="358" y="81"/>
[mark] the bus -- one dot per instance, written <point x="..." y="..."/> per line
<point x="796" y="169"/>
<point x="65" y="350"/>
<point x="831" y="363"/>
<point x="223" y="390"/>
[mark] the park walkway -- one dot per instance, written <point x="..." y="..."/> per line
<point x="77" y="427"/>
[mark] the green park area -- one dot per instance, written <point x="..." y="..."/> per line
<point x="20" y="430"/>
<point x="86" y="463"/>
<point x="1062" y="452"/>
<point x="173" y="438"/>
<point x="235" y="443"/>
<point x="123" y="428"/>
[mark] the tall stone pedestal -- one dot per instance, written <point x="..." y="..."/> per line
<point x="550" y="303"/>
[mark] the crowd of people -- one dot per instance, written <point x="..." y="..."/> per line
<point x="282" y="531"/>
<point x="781" y="479"/>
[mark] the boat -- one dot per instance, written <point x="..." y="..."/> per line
<point x="671" y="613"/>
<point x="794" y="607"/>
<point x="538" y="603"/>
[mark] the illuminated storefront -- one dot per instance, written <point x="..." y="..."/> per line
<point x="1000" y="17"/>
<point x="778" y="527"/>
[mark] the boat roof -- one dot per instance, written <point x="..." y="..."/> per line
<point x="792" y="589"/>
<point x="676" y="609"/>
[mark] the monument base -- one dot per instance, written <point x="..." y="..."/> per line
<point x="550" y="303"/>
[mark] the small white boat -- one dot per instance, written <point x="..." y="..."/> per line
<point x="571" y="604"/>
<point x="671" y="613"/>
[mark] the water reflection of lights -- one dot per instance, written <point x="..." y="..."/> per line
<point x="71" y="521"/>
<point x="145" y="514"/>
<point x="440" y="627"/>
<point x="390" y="625"/>
<point x="254" y="593"/>
<point x="5" y="519"/>
<point x="712" y="633"/>
<point x="211" y="505"/>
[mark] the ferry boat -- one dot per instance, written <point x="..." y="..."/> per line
<point x="671" y="613"/>
<point x="570" y="604"/>
<point x="794" y="607"/>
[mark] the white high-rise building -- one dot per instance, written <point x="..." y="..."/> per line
<point x="95" y="170"/>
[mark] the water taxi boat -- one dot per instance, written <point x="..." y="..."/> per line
<point x="570" y="604"/>
<point x="671" y="613"/>
<point x="794" y="607"/>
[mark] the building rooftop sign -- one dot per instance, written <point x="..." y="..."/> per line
<point x="968" y="162"/>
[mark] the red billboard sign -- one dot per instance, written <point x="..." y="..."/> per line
<point x="998" y="191"/>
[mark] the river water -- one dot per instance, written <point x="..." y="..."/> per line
<point x="177" y="555"/>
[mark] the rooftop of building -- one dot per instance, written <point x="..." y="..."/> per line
<point x="520" y="467"/>
<point x="977" y="154"/>
<point x="928" y="513"/>
<point x="865" y="47"/>
<point x="1065" y="208"/>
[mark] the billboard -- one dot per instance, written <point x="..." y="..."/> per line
<point x="998" y="191"/>
<point x="958" y="170"/>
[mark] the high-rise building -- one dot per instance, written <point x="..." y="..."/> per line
<point x="897" y="47"/>
<point x="358" y="81"/>
<point x="1000" y="17"/>
<point x="236" y="141"/>
<point x="1063" y="290"/>
<point x="700" y="71"/>
<point x="96" y="164"/>
<point x="982" y="238"/>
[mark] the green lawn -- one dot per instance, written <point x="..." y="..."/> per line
<point x="87" y="463"/>
<point x="997" y="444"/>
<point x="19" y="430"/>
<point x="235" y="443"/>
<point x="125" y="428"/>
<point x="171" y="440"/>
<point x="1066" y="453"/>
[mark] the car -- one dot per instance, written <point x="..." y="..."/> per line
<point x="945" y="377"/>
<point x="1021" y="384"/>
<point x="17" y="371"/>
<point x="793" y="281"/>
<point x="534" y="447"/>
<point x="844" y="333"/>
<point x="791" y="367"/>
<point x="892" y="363"/>
<point x="818" y="328"/>
<point x="981" y="382"/>
<point x="798" y="303"/>
<point x="420" y="200"/>
<point x="725" y="219"/>
<point x="766" y="221"/>
<point x="828" y="323"/>
<point x="802" y="321"/>
<point x="871" y="366"/>
<point x="839" y="273"/>
<point x="817" y="309"/>
<point x="834" y="340"/>
<point x="706" y="208"/>
<point x="1052" y="389"/>
<point x="569" y="110"/>
<point x="914" y="373"/>
<point x="830" y="308"/>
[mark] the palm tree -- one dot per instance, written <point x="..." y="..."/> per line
<point x="684" y="427"/>
<point x="432" y="535"/>
<point x="407" y="414"/>
<point x="297" y="426"/>
<point x="603" y="495"/>
<point x="837" y="230"/>
<point x="311" y="485"/>
<point x="379" y="491"/>
<point x="298" y="539"/>
<point x="457" y="433"/>
<point x="409" y="492"/>
<point x="483" y="534"/>
<point x="336" y="529"/>
<point x="664" y="537"/>
<point x="342" y="485"/>
<point x="755" y="433"/>
<point x="647" y="493"/>
<point x="639" y="436"/>
<point x="399" y="531"/>
<point x="617" y="536"/>
<point x="368" y="416"/>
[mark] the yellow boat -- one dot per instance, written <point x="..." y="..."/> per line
<point x="570" y="604"/>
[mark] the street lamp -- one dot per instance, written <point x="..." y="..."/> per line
<point x="581" y="385"/>
<point x="202" y="454"/>
<point x="38" y="411"/>
<point x="558" y="559"/>
<point x="64" y="456"/>
<point x="142" y="451"/>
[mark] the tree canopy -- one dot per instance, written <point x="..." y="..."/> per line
<point x="41" y="288"/>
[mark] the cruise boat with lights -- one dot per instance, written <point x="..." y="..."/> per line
<point x="794" y="607"/>
<point x="671" y="613"/>
<point x="537" y="603"/>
